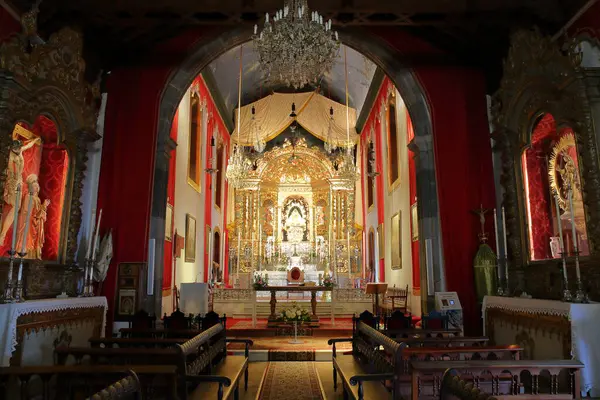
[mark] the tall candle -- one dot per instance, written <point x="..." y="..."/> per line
<point x="504" y="233"/>
<point x="91" y="235"/>
<point x="16" y="218"/>
<point x="560" y="243"/>
<point x="497" y="234"/>
<point x="27" y="221"/>
<point x="574" y="234"/>
<point x="94" y="245"/>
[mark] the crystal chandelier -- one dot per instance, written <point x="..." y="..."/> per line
<point x="238" y="165"/>
<point x="329" y="145"/>
<point x="297" y="47"/>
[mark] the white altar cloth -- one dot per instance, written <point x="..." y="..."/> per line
<point x="585" y="339"/>
<point x="10" y="313"/>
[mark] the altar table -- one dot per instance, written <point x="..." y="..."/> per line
<point x="31" y="330"/>
<point x="548" y="329"/>
<point x="314" y="319"/>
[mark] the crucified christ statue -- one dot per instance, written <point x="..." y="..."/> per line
<point x="14" y="178"/>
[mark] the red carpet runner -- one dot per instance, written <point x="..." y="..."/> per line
<point x="291" y="381"/>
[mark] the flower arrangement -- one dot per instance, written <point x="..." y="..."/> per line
<point x="328" y="281"/>
<point x="294" y="313"/>
<point x="260" y="281"/>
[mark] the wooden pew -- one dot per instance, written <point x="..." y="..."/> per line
<point x="203" y="366"/>
<point x="452" y="341"/>
<point x="375" y="358"/>
<point x="454" y="388"/>
<point x="135" y="342"/>
<point x="399" y="334"/>
<point x="82" y="381"/>
<point x="128" y="388"/>
<point x="502" y="378"/>
<point x="159" y="333"/>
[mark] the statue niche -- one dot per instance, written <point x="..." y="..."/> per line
<point x="39" y="165"/>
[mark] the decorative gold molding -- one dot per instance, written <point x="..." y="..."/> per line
<point x="542" y="76"/>
<point x="50" y="81"/>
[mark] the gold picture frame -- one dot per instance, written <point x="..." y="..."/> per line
<point x="396" y="241"/>
<point x="414" y="217"/>
<point x="169" y="223"/>
<point x="190" y="238"/>
<point x="380" y="241"/>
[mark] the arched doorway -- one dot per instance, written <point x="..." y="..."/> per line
<point x="386" y="58"/>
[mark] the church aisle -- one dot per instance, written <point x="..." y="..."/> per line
<point x="257" y="371"/>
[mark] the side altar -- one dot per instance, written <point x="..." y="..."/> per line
<point x="548" y="329"/>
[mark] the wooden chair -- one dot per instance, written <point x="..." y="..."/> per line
<point x="454" y="388"/>
<point x="142" y="320"/>
<point x="398" y="320"/>
<point x="177" y="320"/>
<point x="368" y="318"/>
<point x="434" y="320"/>
<point x="210" y="319"/>
<point x="128" y="388"/>
<point x="395" y="299"/>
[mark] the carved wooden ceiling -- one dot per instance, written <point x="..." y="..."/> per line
<point x="475" y="31"/>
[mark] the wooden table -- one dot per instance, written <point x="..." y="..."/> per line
<point x="314" y="319"/>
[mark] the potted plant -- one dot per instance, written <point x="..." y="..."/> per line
<point x="295" y="314"/>
<point x="328" y="281"/>
<point x="260" y="282"/>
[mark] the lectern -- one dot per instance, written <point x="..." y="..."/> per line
<point x="376" y="289"/>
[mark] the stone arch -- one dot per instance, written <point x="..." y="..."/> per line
<point x="383" y="55"/>
<point x="542" y="77"/>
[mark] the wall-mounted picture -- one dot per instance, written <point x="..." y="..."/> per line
<point x="190" y="238"/>
<point x="414" y="218"/>
<point x="169" y="223"/>
<point x="127" y="301"/>
<point x="396" y="242"/>
<point x="381" y="241"/>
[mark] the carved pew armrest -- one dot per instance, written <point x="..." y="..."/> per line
<point x="248" y="342"/>
<point x="334" y="341"/>
<point x="221" y="380"/>
<point x="359" y="379"/>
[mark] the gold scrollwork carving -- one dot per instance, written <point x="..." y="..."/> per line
<point x="542" y="76"/>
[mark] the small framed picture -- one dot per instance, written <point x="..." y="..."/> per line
<point x="169" y="223"/>
<point x="414" y="218"/>
<point x="127" y="301"/>
<point x="190" y="238"/>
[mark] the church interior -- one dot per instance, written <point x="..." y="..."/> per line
<point x="290" y="199"/>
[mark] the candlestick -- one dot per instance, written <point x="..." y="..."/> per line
<point x="91" y="235"/>
<point x="8" y="286"/>
<point x="27" y="223"/>
<point x="505" y="257"/>
<point x="23" y="252"/>
<point x="499" y="289"/>
<point x="580" y="296"/>
<point x="504" y="233"/>
<point x="95" y="244"/>
<point x="16" y="218"/>
<point x="566" y="292"/>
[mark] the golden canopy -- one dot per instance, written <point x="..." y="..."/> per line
<point x="312" y="109"/>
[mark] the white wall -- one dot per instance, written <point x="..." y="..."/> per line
<point x="187" y="199"/>
<point x="396" y="201"/>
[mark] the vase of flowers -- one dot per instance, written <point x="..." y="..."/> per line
<point x="328" y="281"/>
<point x="260" y="281"/>
<point x="296" y="315"/>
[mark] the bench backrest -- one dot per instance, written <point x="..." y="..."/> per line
<point x="211" y="318"/>
<point x="202" y="351"/>
<point x="367" y="318"/>
<point x="128" y="388"/>
<point x="148" y="343"/>
<point x="454" y="388"/>
<point x="398" y="321"/>
<point x="399" y="334"/>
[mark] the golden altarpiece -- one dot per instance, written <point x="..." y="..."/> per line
<point x="48" y="116"/>
<point x="294" y="211"/>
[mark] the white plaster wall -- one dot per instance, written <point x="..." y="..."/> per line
<point x="187" y="199"/>
<point x="89" y="196"/>
<point x="396" y="201"/>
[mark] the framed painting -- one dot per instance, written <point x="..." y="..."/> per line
<point x="381" y="241"/>
<point x="396" y="241"/>
<point x="414" y="218"/>
<point x="169" y="223"/>
<point x="190" y="238"/>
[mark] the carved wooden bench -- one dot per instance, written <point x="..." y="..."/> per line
<point x="135" y="342"/>
<point x="530" y="379"/>
<point x="399" y="334"/>
<point x="453" y="341"/>
<point x="454" y="388"/>
<point x="115" y="356"/>
<point x="159" y="333"/>
<point x="82" y="381"/>
<point x="128" y="388"/>
<point x="369" y="372"/>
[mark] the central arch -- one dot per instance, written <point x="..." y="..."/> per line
<point x="385" y="57"/>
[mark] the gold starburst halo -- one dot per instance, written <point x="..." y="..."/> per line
<point x="560" y="149"/>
